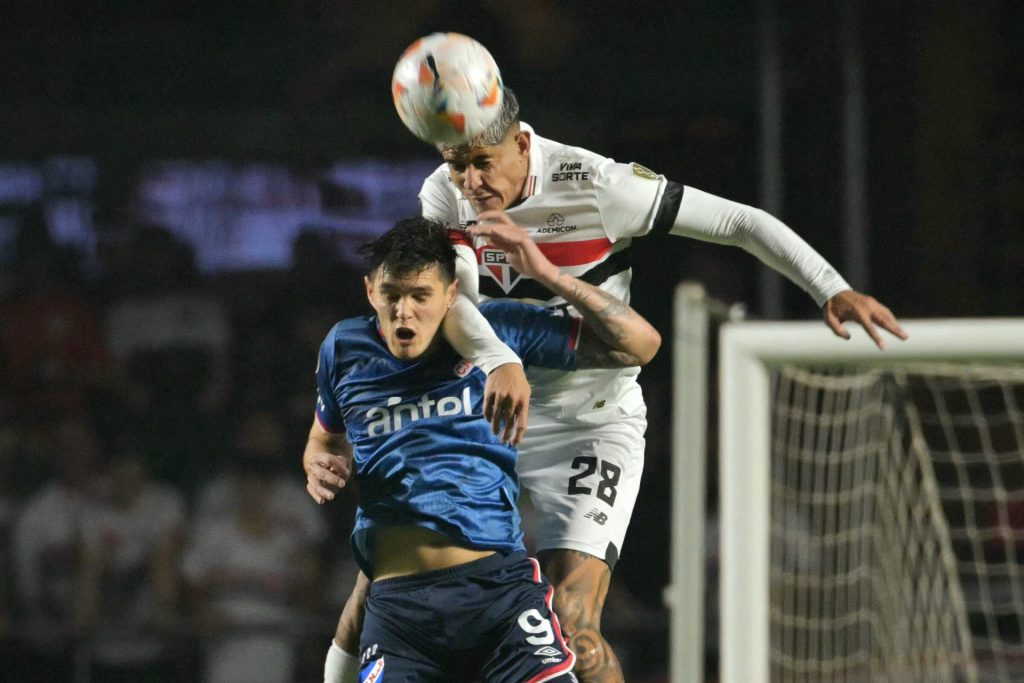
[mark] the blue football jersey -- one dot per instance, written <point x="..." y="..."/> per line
<point x="424" y="454"/>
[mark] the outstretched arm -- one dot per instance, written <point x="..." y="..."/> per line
<point x="709" y="218"/>
<point x="623" y="338"/>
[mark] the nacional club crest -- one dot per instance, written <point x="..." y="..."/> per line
<point x="497" y="266"/>
<point x="372" y="673"/>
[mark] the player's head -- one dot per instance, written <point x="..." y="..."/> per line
<point x="411" y="284"/>
<point x="491" y="170"/>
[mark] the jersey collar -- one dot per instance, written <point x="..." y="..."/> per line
<point x="534" y="183"/>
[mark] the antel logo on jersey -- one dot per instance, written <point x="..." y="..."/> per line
<point x="398" y="414"/>
<point x="498" y="268"/>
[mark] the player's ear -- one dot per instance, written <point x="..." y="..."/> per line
<point x="451" y="293"/>
<point x="523" y="141"/>
<point x="369" y="288"/>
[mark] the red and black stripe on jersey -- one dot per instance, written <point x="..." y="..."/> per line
<point x="575" y="253"/>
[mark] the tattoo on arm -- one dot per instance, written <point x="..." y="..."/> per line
<point x="605" y="320"/>
<point x="594" y="353"/>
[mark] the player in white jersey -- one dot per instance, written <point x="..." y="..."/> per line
<point x="582" y="458"/>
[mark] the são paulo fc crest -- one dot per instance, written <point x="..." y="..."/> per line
<point x="497" y="266"/>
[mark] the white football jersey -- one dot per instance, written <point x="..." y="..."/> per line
<point x="583" y="210"/>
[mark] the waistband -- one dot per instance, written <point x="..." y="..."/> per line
<point x="422" y="579"/>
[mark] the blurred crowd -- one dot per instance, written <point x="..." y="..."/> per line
<point x="154" y="524"/>
<point x="151" y="425"/>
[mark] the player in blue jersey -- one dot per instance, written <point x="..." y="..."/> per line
<point x="453" y="594"/>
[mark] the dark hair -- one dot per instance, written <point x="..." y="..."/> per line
<point x="410" y="247"/>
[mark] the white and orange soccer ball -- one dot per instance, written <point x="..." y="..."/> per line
<point x="447" y="88"/>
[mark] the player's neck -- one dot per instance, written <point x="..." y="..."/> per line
<point x="522" y="186"/>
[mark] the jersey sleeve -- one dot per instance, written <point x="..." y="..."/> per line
<point x="627" y="196"/>
<point x="706" y="217"/>
<point x="465" y="264"/>
<point x="537" y="335"/>
<point x="328" y="412"/>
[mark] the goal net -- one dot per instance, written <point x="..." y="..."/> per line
<point x="872" y="504"/>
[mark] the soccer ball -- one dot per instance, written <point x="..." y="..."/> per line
<point x="447" y="88"/>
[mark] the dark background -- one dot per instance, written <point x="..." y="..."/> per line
<point x="671" y="85"/>
<point x="305" y="85"/>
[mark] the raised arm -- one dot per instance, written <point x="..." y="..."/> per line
<point x="621" y="337"/>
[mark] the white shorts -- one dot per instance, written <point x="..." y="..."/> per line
<point x="581" y="482"/>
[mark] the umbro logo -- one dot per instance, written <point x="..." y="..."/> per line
<point x="548" y="651"/>
<point x="597" y="516"/>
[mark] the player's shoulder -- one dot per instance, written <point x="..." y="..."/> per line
<point x="351" y="329"/>
<point x="569" y="168"/>
<point x="350" y="338"/>
<point x="439" y="177"/>
<point x="557" y="153"/>
<point x="439" y="181"/>
<point x="508" y="314"/>
<point x="498" y="308"/>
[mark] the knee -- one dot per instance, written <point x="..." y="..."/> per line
<point x="580" y="621"/>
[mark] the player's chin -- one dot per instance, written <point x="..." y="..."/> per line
<point x="406" y="347"/>
<point x="489" y="203"/>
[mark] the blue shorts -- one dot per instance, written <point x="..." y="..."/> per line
<point x="490" y="619"/>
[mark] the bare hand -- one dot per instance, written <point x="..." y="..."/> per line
<point x="326" y="473"/>
<point x="522" y="253"/>
<point x="507" y="400"/>
<point x="850" y="305"/>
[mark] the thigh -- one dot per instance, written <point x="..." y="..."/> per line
<point x="393" y="645"/>
<point x="532" y="646"/>
<point x="583" y="485"/>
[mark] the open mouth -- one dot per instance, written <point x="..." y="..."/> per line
<point x="404" y="334"/>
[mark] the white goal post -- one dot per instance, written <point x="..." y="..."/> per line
<point x="925" y="601"/>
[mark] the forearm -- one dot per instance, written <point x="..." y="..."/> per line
<point x="709" y="218"/>
<point x="618" y="326"/>
<point x="466" y="268"/>
<point x="469" y="333"/>
<point x="327" y="461"/>
<point x="321" y="440"/>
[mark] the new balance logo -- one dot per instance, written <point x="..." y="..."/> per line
<point x="597" y="516"/>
